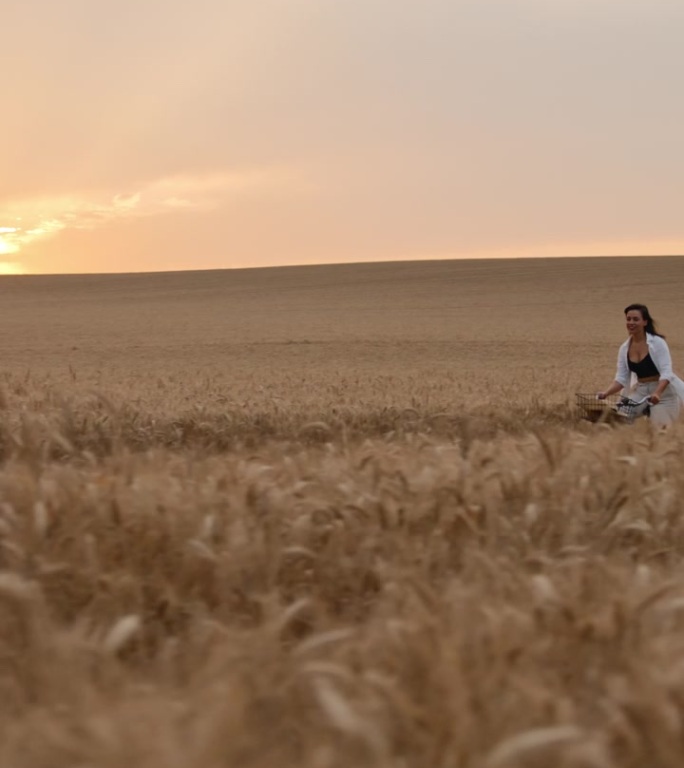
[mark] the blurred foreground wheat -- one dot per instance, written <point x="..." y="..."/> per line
<point x="329" y="582"/>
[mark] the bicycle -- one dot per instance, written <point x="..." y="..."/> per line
<point x="616" y="408"/>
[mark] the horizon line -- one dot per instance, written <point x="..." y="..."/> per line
<point x="300" y="265"/>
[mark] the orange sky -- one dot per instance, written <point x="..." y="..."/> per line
<point x="163" y="135"/>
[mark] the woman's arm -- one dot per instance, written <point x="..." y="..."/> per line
<point x="663" y="384"/>
<point x="615" y="387"/>
<point x="660" y="353"/>
<point x="623" y="375"/>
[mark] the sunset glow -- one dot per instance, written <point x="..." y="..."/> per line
<point x="10" y="268"/>
<point x="6" y="244"/>
<point x="317" y="132"/>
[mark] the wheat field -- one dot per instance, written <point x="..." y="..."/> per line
<point x="337" y="516"/>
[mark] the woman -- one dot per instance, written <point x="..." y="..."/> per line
<point x="645" y="357"/>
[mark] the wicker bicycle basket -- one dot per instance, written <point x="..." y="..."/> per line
<point x="616" y="408"/>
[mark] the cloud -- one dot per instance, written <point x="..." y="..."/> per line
<point x="28" y="220"/>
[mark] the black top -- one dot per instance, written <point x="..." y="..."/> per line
<point x="644" y="369"/>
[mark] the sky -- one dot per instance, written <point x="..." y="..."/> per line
<point x="149" y="135"/>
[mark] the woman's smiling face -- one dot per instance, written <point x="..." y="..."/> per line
<point x="635" y="321"/>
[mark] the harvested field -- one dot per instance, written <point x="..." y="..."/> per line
<point x="337" y="516"/>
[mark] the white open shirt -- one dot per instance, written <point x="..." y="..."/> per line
<point x="660" y="354"/>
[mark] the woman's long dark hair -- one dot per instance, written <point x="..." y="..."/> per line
<point x="650" y="322"/>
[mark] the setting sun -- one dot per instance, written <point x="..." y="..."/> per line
<point x="6" y="247"/>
